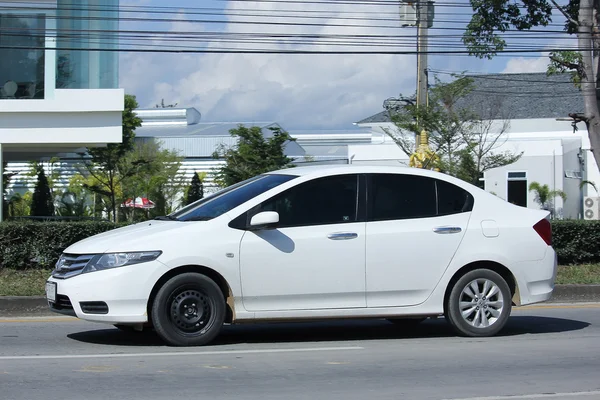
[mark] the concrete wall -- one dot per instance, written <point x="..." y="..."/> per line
<point x="70" y="120"/>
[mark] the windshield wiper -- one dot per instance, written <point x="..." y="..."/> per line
<point x="166" y="218"/>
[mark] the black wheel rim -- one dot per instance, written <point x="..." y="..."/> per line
<point x="190" y="311"/>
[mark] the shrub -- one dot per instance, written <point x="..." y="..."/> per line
<point x="34" y="244"/>
<point x="576" y="241"/>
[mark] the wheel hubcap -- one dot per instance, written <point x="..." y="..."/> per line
<point x="481" y="303"/>
<point x="190" y="311"/>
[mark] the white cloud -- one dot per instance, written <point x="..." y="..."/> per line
<point x="524" y="65"/>
<point x="298" y="91"/>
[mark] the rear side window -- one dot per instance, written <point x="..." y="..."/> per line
<point x="397" y="196"/>
<point x="452" y="199"/>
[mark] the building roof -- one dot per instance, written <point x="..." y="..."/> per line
<point x="198" y="129"/>
<point x="515" y="96"/>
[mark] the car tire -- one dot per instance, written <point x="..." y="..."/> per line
<point x="479" y="304"/>
<point x="188" y="310"/>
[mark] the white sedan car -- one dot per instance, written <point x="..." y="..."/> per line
<point x="311" y="243"/>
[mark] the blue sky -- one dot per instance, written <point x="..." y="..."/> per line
<point x="298" y="91"/>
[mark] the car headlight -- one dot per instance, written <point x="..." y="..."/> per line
<point x="102" y="262"/>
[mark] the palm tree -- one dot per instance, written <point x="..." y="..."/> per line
<point x="592" y="184"/>
<point x="545" y="197"/>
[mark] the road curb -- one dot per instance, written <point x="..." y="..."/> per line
<point x="33" y="306"/>
<point x="575" y="293"/>
<point x="11" y="306"/>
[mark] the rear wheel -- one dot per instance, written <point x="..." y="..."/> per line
<point x="188" y="310"/>
<point x="479" y="304"/>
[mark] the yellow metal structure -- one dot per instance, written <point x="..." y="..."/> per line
<point x="424" y="157"/>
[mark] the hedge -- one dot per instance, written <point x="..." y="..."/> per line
<point x="576" y="241"/>
<point x="38" y="244"/>
<point x="31" y="244"/>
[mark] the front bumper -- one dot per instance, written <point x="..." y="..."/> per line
<point x="125" y="292"/>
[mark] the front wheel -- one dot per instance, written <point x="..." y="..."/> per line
<point x="479" y="304"/>
<point x="188" y="310"/>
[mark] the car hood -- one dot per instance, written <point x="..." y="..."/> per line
<point x="144" y="236"/>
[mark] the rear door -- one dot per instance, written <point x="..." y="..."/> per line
<point x="414" y="227"/>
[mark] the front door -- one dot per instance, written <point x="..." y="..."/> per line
<point x="415" y="225"/>
<point x="315" y="258"/>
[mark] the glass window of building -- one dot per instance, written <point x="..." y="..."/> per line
<point x="85" y="33"/>
<point x="22" y="58"/>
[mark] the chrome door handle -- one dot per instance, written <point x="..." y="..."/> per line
<point x="447" y="229"/>
<point x="342" y="236"/>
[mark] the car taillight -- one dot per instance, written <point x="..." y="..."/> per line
<point x="544" y="229"/>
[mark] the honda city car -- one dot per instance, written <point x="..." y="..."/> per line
<point x="307" y="243"/>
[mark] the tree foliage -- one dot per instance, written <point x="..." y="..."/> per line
<point x="152" y="172"/>
<point x="42" y="204"/>
<point x="491" y="18"/>
<point x="195" y="191"/>
<point x="104" y="163"/>
<point x="441" y="118"/>
<point x="466" y="139"/>
<point x="544" y="196"/>
<point x="254" y="154"/>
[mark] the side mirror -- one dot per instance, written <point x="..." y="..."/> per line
<point x="264" y="220"/>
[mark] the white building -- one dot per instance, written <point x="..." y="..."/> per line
<point x="536" y="107"/>
<point x="55" y="98"/>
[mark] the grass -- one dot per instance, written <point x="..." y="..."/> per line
<point x="31" y="282"/>
<point x="23" y="283"/>
<point x="578" y="274"/>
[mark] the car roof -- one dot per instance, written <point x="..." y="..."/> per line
<point x="324" y="170"/>
<point x="317" y="170"/>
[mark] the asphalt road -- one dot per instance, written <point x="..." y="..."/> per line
<point x="550" y="351"/>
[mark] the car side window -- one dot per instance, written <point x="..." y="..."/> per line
<point x="400" y="196"/>
<point x="452" y="199"/>
<point x="328" y="200"/>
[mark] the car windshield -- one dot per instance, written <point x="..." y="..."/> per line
<point x="229" y="198"/>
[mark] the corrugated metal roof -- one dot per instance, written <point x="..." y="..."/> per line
<point x="194" y="146"/>
<point x="321" y="152"/>
<point x="200" y="129"/>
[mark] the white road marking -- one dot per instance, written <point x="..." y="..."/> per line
<point x="533" y="396"/>
<point x="178" y="354"/>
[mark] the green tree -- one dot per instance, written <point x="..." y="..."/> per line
<point x="444" y="122"/>
<point x="253" y="155"/>
<point x="20" y="206"/>
<point x="492" y="18"/>
<point x="195" y="191"/>
<point x="152" y="172"/>
<point x="466" y="139"/>
<point x="42" y="204"/>
<point x="545" y="197"/>
<point x="104" y="163"/>
<point x="5" y="181"/>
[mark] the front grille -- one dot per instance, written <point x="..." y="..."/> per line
<point x="70" y="265"/>
<point x="63" y="305"/>
<point x="94" y="307"/>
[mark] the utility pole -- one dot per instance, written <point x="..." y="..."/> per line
<point x="420" y="13"/>
<point x="423" y="23"/>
